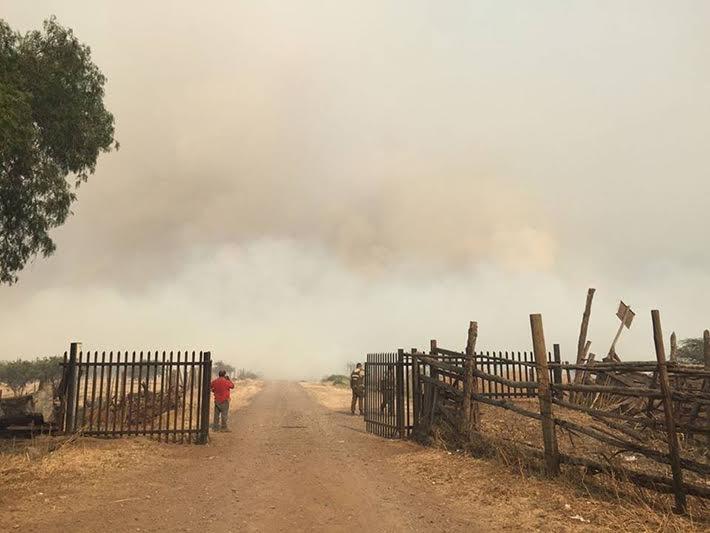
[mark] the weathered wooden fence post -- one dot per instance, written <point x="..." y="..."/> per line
<point x="470" y="408"/>
<point x="432" y="352"/>
<point x="205" y="401"/>
<point x="674" y="347"/>
<point x="431" y="392"/>
<point x="582" y="343"/>
<point x="557" y="371"/>
<point x="673" y="447"/>
<point x="71" y="373"/>
<point x="706" y="357"/>
<point x="544" y="393"/>
<point x="400" y="403"/>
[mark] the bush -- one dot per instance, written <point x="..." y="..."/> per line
<point x="337" y="379"/>
<point x="246" y="374"/>
<point x="691" y="351"/>
<point x="218" y="366"/>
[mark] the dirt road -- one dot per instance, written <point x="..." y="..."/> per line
<point x="289" y="464"/>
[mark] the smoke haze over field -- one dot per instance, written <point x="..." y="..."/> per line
<point x="299" y="183"/>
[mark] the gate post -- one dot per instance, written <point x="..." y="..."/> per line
<point x="400" y="403"/>
<point x="416" y="391"/>
<point x="205" y="405"/>
<point x="70" y="404"/>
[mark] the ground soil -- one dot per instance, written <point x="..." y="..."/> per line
<point x="295" y="460"/>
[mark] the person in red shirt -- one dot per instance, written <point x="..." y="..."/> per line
<point x="221" y="388"/>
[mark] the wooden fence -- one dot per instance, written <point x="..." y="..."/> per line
<point x="627" y="413"/>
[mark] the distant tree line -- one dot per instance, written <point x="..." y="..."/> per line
<point x="232" y="372"/>
<point x="20" y="374"/>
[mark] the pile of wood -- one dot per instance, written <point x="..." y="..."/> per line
<point x="657" y="410"/>
<point x="607" y="385"/>
<point x="143" y="406"/>
<point x="688" y="383"/>
<point x="41" y="408"/>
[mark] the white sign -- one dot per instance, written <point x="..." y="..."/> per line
<point x="625" y="314"/>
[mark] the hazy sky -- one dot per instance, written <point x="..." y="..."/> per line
<point x="302" y="182"/>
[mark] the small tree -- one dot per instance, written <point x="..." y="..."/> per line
<point x="48" y="370"/>
<point x="221" y="365"/>
<point x="691" y="350"/>
<point x="243" y="373"/>
<point x="17" y="375"/>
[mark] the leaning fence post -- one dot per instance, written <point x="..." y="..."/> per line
<point x="470" y="409"/>
<point x="70" y="409"/>
<point x="673" y="447"/>
<point x="205" y="402"/>
<point x="544" y="394"/>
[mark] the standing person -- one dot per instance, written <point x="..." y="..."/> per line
<point x="387" y="389"/>
<point x="357" y="384"/>
<point x="221" y="388"/>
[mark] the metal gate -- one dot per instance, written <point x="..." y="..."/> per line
<point x="388" y="394"/>
<point x="165" y="395"/>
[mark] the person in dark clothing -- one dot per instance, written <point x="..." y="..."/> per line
<point x="357" y="384"/>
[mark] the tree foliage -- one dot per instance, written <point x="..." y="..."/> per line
<point x="16" y="375"/>
<point x="19" y="374"/>
<point x="243" y="373"/>
<point x="221" y="365"/>
<point x="691" y="350"/>
<point x="53" y="126"/>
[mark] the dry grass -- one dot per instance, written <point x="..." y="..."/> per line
<point x="41" y="465"/>
<point x="506" y="448"/>
<point x="520" y="498"/>
<point x="498" y="473"/>
<point x="49" y="464"/>
<point x="244" y="391"/>
<point x="330" y="396"/>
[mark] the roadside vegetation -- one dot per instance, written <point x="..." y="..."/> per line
<point x="691" y="351"/>
<point x="236" y="374"/>
<point x="23" y="376"/>
<point x="338" y="380"/>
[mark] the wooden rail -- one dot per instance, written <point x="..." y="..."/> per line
<point x="448" y="392"/>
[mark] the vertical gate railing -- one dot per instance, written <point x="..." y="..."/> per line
<point x="511" y="365"/>
<point x="394" y="394"/>
<point x="388" y="394"/>
<point x="165" y="395"/>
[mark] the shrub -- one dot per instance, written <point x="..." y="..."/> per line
<point x="337" y="379"/>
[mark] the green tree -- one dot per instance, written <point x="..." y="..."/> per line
<point x="48" y="370"/>
<point x="53" y="126"/>
<point x="691" y="350"/>
<point x="17" y="375"/>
